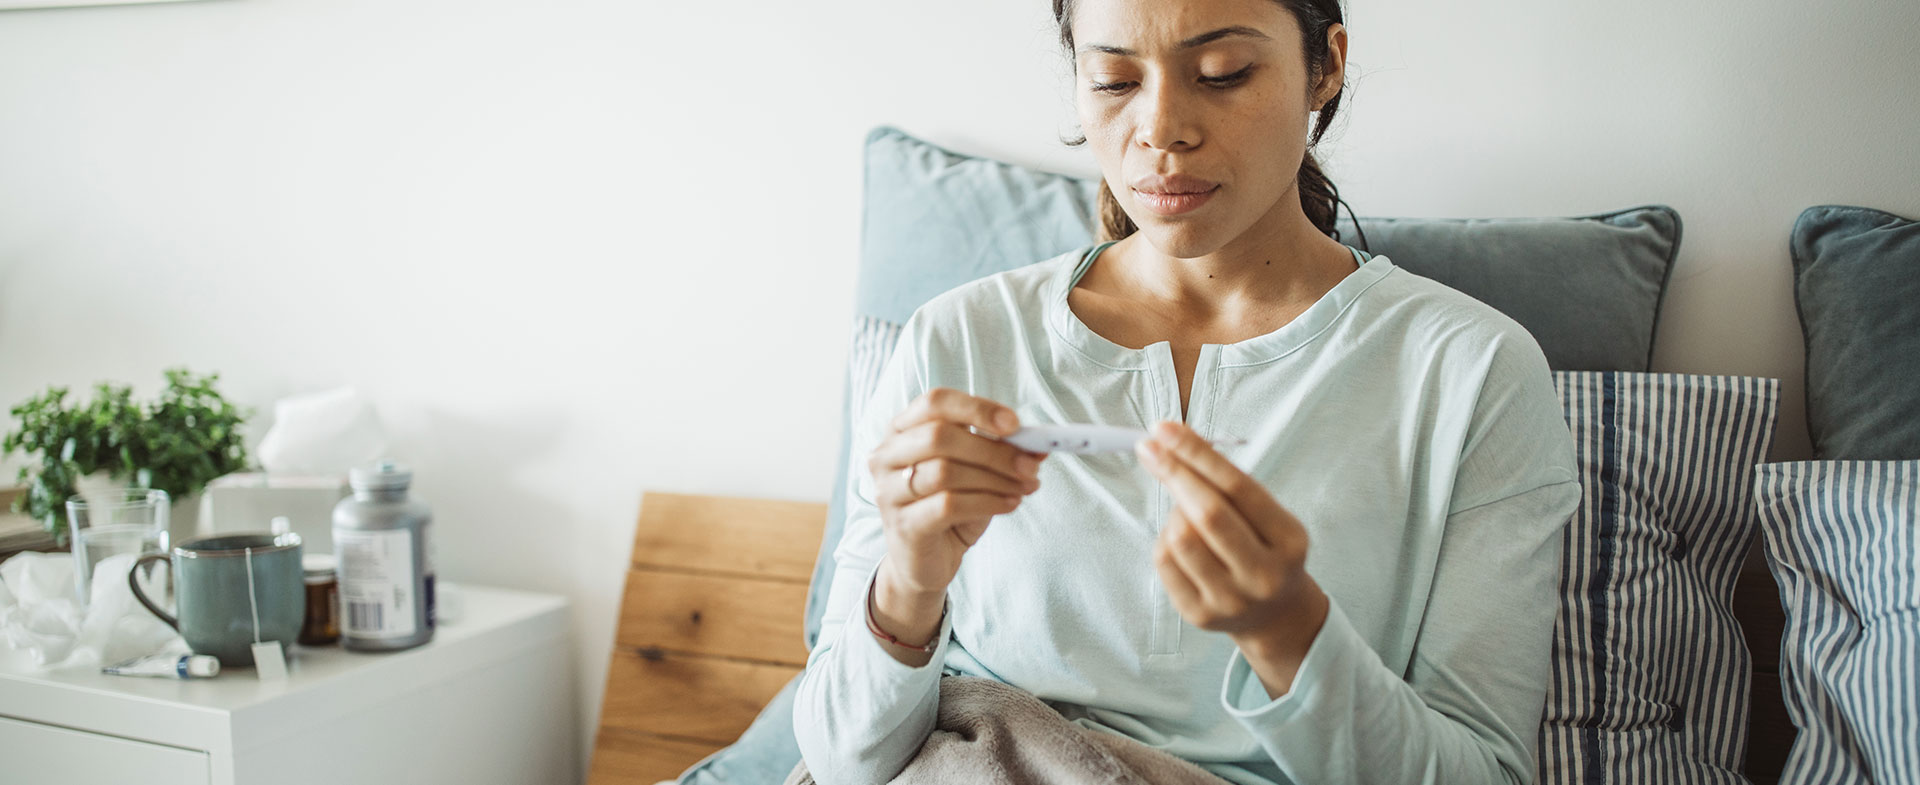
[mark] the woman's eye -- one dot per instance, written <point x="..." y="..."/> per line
<point x="1110" y="87"/>
<point x="1228" y="80"/>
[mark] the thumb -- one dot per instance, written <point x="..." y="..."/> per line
<point x="971" y="532"/>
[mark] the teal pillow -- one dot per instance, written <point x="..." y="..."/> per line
<point x="1856" y="283"/>
<point x="936" y="219"/>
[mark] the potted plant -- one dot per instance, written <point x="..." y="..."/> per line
<point x="177" y="443"/>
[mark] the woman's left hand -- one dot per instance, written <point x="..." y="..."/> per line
<point x="1233" y="560"/>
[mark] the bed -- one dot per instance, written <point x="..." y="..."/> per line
<point x="1671" y="642"/>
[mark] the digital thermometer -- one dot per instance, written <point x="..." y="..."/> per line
<point x="1085" y="439"/>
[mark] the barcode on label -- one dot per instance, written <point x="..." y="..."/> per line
<point x="365" y="616"/>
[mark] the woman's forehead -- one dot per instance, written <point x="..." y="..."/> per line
<point x="1140" y="26"/>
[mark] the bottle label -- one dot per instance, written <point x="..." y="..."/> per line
<point x="376" y="583"/>
<point x="426" y="536"/>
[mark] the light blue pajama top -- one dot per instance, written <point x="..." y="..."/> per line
<point x="1415" y="432"/>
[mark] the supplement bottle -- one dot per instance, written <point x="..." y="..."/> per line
<point x="385" y="574"/>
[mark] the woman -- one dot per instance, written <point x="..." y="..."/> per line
<point x="1362" y="591"/>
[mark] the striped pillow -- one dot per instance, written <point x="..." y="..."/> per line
<point x="1843" y="541"/>
<point x="1650" y="673"/>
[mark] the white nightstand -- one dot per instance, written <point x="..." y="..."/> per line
<point x="488" y="701"/>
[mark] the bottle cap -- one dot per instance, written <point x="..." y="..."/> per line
<point x="318" y="567"/>
<point x="203" y="666"/>
<point x="381" y="475"/>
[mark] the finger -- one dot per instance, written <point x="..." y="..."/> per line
<point x="1238" y="569"/>
<point x="1197" y="561"/>
<point x="1216" y="521"/>
<point x="1246" y="494"/>
<point x="945" y="474"/>
<point x="940" y="511"/>
<point x="1180" y="588"/>
<point x="942" y="439"/>
<point x="946" y="403"/>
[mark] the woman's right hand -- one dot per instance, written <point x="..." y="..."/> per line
<point x="959" y="481"/>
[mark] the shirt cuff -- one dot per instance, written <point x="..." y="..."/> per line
<point x="1337" y="646"/>
<point x="875" y="656"/>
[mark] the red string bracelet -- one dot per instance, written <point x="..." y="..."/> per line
<point x="874" y="626"/>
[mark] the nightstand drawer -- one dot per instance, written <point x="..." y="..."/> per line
<point x="37" y="754"/>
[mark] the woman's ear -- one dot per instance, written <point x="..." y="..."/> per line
<point x="1334" y="77"/>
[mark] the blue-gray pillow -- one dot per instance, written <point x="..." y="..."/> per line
<point x="1856" y="282"/>
<point x="1650" y="672"/>
<point x="1843" y="541"/>
<point x="1587" y="288"/>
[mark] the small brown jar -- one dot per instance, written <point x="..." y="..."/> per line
<point x="322" y="627"/>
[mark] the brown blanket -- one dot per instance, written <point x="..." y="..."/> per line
<point x="989" y="733"/>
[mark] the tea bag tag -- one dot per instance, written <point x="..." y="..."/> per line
<point x="270" y="661"/>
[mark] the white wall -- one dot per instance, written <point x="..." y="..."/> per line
<point x="577" y="249"/>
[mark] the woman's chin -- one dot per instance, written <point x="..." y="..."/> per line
<point x="1183" y="240"/>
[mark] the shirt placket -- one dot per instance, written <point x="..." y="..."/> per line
<point x="1167" y="627"/>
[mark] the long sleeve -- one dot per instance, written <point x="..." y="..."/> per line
<point x="1468" y="707"/>
<point x="859" y="715"/>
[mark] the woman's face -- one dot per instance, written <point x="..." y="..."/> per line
<point x="1197" y="111"/>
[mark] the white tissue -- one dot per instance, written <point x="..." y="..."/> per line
<point x="40" y="615"/>
<point x="324" y="433"/>
<point x="35" y="578"/>
<point x="117" y="626"/>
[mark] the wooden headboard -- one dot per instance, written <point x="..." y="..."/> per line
<point x="710" y="629"/>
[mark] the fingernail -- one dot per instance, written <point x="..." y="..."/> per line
<point x="1147" y="451"/>
<point x="1165" y="431"/>
<point x="1006" y="421"/>
<point x="1026" y="464"/>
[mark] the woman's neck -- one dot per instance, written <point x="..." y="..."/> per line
<point x="1276" y="263"/>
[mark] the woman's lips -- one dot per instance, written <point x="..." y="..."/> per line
<point x="1170" y="203"/>
<point x="1173" y="193"/>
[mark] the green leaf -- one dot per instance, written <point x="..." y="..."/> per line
<point x="178" y="443"/>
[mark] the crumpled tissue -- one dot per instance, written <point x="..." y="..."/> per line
<point x="324" y="433"/>
<point x="41" y="616"/>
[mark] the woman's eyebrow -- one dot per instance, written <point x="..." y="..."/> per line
<point x="1198" y="40"/>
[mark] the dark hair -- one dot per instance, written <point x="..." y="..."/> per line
<point x="1319" y="199"/>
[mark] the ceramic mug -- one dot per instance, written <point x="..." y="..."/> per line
<point x="217" y="609"/>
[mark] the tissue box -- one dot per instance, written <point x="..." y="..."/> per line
<point x="249" y="501"/>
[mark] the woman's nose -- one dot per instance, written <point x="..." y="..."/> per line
<point x="1166" y="121"/>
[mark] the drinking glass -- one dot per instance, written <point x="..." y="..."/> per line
<point x="131" y="521"/>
